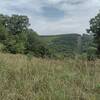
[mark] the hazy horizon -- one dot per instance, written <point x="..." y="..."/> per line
<point x="51" y="17"/>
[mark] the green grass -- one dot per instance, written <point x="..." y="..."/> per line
<point x="44" y="79"/>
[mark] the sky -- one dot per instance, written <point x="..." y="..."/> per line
<point x="50" y="17"/>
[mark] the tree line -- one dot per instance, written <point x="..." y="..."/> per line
<point x="95" y="31"/>
<point x="17" y="37"/>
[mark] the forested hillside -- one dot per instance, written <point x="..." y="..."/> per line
<point x="68" y="44"/>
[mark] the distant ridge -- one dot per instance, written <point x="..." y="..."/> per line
<point x="66" y="44"/>
<point x="60" y="34"/>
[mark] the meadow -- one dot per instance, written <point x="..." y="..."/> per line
<point x="24" y="78"/>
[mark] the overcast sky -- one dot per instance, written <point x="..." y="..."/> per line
<point x="54" y="16"/>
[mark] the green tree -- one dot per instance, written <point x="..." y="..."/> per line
<point x="17" y="24"/>
<point x="35" y="45"/>
<point x="16" y="36"/>
<point x="95" y="30"/>
<point x="91" y="53"/>
<point x="3" y="33"/>
<point x="3" y="29"/>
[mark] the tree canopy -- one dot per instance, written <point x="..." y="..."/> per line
<point x="17" y="37"/>
<point x="95" y="30"/>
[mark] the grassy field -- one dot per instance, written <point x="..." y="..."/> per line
<point x="44" y="79"/>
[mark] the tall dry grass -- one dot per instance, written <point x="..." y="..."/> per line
<point x="41" y="79"/>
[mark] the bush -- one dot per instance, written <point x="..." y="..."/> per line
<point x="91" y="53"/>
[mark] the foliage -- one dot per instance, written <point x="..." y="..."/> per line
<point x="17" y="24"/>
<point x="69" y="45"/>
<point x="91" y="53"/>
<point x="35" y="45"/>
<point x="95" y="30"/>
<point x="17" y="37"/>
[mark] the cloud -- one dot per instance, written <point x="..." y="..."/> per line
<point x="54" y="16"/>
<point x="52" y="13"/>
